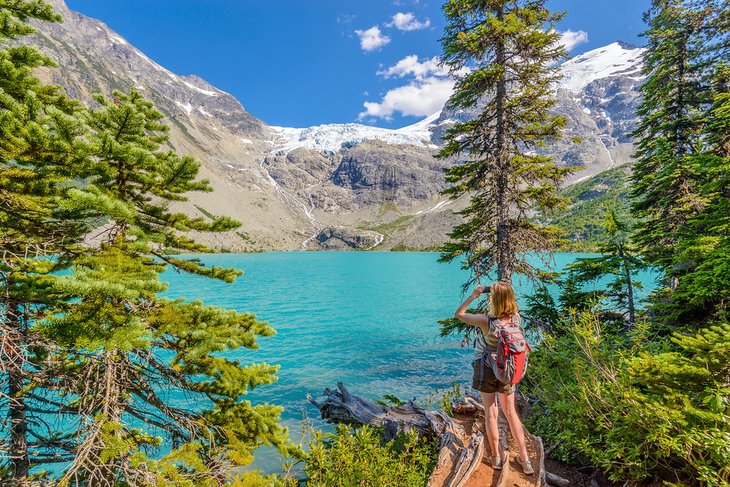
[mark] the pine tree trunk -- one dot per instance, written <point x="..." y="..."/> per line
<point x="629" y="286"/>
<point x="111" y="409"/>
<point x="17" y="406"/>
<point x="679" y="127"/>
<point x="505" y="261"/>
<point x="18" y="428"/>
<point x="679" y="140"/>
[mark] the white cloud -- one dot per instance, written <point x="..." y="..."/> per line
<point x="418" y="98"/>
<point x="426" y="93"/>
<point x="431" y="85"/>
<point x="571" y="39"/>
<point x="345" y="18"/>
<point x="372" y="39"/>
<point x="407" y="22"/>
<point x="410" y="65"/>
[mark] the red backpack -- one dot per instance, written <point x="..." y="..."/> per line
<point x="512" y="348"/>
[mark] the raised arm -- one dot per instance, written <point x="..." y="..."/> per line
<point x="469" y="318"/>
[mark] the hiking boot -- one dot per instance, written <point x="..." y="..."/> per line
<point x="526" y="466"/>
<point x="497" y="462"/>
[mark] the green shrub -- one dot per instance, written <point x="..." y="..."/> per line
<point x="256" y="479"/>
<point x="358" y="457"/>
<point x="638" y="408"/>
<point x="449" y="398"/>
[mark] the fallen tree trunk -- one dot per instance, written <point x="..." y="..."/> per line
<point x="556" y="480"/>
<point x="462" y="444"/>
<point x="339" y="406"/>
<point x="459" y="453"/>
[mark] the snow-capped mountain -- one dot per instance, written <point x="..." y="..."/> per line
<point x="333" y="137"/>
<point x="324" y="186"/>
<point x="598" y="95"/>
<point x="614" y="60"/>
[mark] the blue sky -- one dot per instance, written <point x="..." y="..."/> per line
<point x="308" y="62"/>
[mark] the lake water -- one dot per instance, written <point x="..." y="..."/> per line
<point x="368" y="319"/>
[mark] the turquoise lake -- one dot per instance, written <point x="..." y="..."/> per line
<point x="368" y="319"/>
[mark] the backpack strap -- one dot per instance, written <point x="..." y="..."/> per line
<point x="480" y="336"/>
<point x="495" y="323"/>
<point x="512" y="319"/>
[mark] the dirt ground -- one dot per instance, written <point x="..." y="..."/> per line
<point x="511" y="474"/>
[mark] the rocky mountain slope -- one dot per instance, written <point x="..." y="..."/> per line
<point x="329" y="186"/>
<point x="598" y="96"/>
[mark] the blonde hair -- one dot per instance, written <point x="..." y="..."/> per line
<point x="502" y="300"/>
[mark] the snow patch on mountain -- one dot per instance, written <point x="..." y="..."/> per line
<point x="187" y="107"/>
<point x="611" y="60"/>
<point x="617" y="59"/>
<point x="421" y="129"/>
<point x="199" y="90"/>
<point x="333" y="137"/>
<point x="116" y="39"/>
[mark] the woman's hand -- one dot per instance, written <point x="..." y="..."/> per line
<point x="479" y="320"/>
<point x="478" y="291"/>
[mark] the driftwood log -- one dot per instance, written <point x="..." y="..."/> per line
<point x="461" y="461"/>
<point x="557" y="481"/>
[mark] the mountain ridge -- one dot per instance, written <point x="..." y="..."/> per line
<point x="295" y="187"/>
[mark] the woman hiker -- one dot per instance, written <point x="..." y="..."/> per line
<point x="502" y="310"/>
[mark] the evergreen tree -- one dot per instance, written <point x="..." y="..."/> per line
<point x="126" y="352"/>
<point x="706" y="289"/>
<point x="678" y="159"/>
<point x="90" y="380"/>
<point x="618" y="260"/>
<point x="504" y="56"/>
<point x="665" y="183"/>
<point x="541" y="309"/>
<point x="40" y="148"/>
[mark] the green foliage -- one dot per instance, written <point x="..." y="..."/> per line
<point x="99" y="346"/>
<point x="359" y="457"/>
<point x="705" y="247"/>
<point x="542" y="309"/>
<point x="41" y="148"/>
<point x="617" y="261"/>
<point x="675" y="94"/>
<point x="256" y="479"/>
<point x="682" y="157"/>
<point x="636" y="408"/>
<point x="586" y="200"/>
<point x="122" y="346"/>
<point x="449" y="397"/>
<point x="390" y="400"/>
<point x="14" y="16"/>
<point x="136" y="178"/>
<point x="504" y="57"/>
